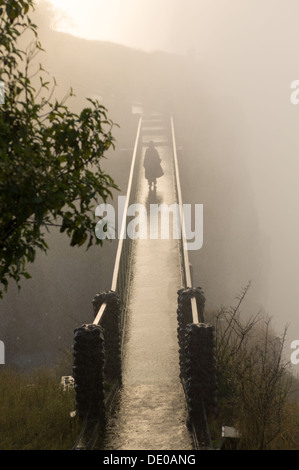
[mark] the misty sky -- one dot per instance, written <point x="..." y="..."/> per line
<point x="179" y="25"/>
<point x="248" y="54"/>
<point x="141" y="24"/>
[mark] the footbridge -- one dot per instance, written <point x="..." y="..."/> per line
<point x="144" y="370"/>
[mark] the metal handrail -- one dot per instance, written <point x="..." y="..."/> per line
<point x="100" y="314"/>
<point x="186" y="263"/>
<point x="123" y="252"/>
<point x="123" y="225"/>
<point x="187" y="279"/>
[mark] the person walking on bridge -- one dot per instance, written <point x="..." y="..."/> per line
<point x="152" y="165"/>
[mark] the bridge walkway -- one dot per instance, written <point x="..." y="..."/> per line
<point x="150" y="409"/>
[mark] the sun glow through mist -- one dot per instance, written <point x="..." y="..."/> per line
<point x="93" y="20"/>
<point x="131" y="23"/>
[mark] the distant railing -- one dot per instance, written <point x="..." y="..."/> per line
<point x="122" y="261"/>
<point x="196" y="339"/>
<point x="187" y="280"/>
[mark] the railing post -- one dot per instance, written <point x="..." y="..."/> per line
<point x="185" y="317"/>
<point x="201" y="382"/>
<point x="111" y="325"/>
<point x="88" y="372"/>
<point x="197" y="363"/>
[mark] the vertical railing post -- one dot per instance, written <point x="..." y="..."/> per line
<point x="88" y="372"/>
<point x="111" y="325"/>
<point x="201" y="382"/>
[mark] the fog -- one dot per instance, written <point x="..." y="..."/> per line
<point x="224" y="69"/>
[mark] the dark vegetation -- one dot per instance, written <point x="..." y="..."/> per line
<point x="257" y="391"/>
<point x="51" y="158"/>
<point x="35" y="411"/>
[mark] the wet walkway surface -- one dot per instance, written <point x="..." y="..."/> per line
<point x="150" y="411"/>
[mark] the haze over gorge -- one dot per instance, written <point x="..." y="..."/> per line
<point x="228" y="88"/>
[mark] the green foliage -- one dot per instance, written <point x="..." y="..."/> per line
<point x="35" y="412"/>
<point x="50" y="157"/>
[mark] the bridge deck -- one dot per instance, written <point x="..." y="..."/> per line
<point x="150" y="412"/>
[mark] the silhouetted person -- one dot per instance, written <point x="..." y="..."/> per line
<point x="152" y="165"/>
